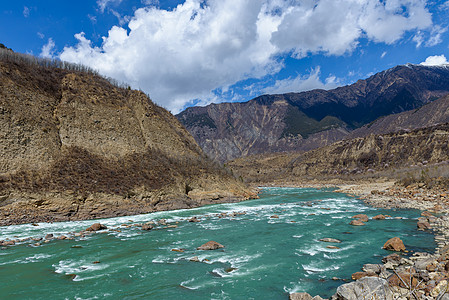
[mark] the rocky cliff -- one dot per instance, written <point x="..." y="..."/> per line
<point x="75" y="146"/>
<point x="308" y="120"/>
<point x="375" y="155"/>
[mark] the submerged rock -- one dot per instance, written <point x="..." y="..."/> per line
<point x="194" y="220"/>
<point x="330" y="240"/>
<point x="211" y="245"/>
<point x="147" y="227"/>
<point x="356" y="223"/>
<point x="394" y="244"/>
<point x="361" y="217"/>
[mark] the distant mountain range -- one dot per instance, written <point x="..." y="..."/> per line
<point x="308" y="120"/>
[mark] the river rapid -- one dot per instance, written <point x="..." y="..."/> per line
<point x="272" y="248"/>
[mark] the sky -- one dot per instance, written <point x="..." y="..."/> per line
<point x="195" y="52"/>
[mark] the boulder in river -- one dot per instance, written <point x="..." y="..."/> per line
<point x="96" y="227"/>
<point x="49" y="236"/>
<point x="147" y="227"/>
<point x="194" y="220"/>
<point x="379" y="217"/>
<point x="361" y="217"/>
<point x="364" y="288"/>
<point x="330" y="240"/>
<point x="211" y="245"/>
<point x="394" y="244"/>
<point x="356" y="223"/>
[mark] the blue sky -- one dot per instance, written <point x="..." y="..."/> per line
<point x="197" y="52"/>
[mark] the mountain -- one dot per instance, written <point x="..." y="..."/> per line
<point x="430" y="114"/>
<point x="393" y="155"/>
<point x="308" y="120"/>
<point x="73" y="145"/>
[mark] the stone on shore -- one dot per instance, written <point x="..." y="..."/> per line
<point x="404" y="280"/>
<point x="356" y="223"/>
<point x="361" y="217"/>
<point x="358" y="275"/>
<point x="379" y="217"/>
<point x="394" y="244"/>
<point x="96" y="227"/>
<point x="364" y="288"/>
<point x="330" y="240"/>
<point x="211" y="245"/>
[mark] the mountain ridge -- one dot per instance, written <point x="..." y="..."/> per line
<point x="239" y="129"/>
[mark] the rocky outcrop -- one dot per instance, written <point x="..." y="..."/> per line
<point x="308" y="120"/>
<point x="74" y="146"/>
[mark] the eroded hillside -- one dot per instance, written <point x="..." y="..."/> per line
<point x="390" y="155"/>
<point x="75" y="146"/>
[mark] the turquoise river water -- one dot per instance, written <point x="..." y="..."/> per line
<point x="263" y="258"/>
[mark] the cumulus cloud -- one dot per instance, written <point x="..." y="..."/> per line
<point x="303" y="83"/>
<point x="186" y="53"/>
<point x="48" y="49"/>
<point x="435" y="60"/>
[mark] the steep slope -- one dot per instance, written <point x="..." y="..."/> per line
<point x="74" y="146"/>
<point x="297" y="121"/>
<point x="433" y="113"/>
<point x="374" y="154"/>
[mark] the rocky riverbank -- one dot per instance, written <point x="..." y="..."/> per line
<point x="420" y="276"/>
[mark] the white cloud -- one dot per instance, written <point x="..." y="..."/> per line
<point x="26" y="11"/>
<point x="199" y="46"/>
<point x="48" y="49"/>
<point x="435" y="36"/>
<point x="40" y="35"/>
<point x="383" y="54"/>
<point x="303" y="83"/>
<point x="102" y="4"/>
<point x="435" y="60"/>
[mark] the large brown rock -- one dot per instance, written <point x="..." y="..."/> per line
<point x="404" y="280"/>
<point x="361" y="217"/>
<point x="379" y="217"/>
<point x="356" y="223"/>
<point x="423" y="224"/>
<point x="394" y="244"/>
<point x="96" y="227"/>
<point x="211" y="245"/>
